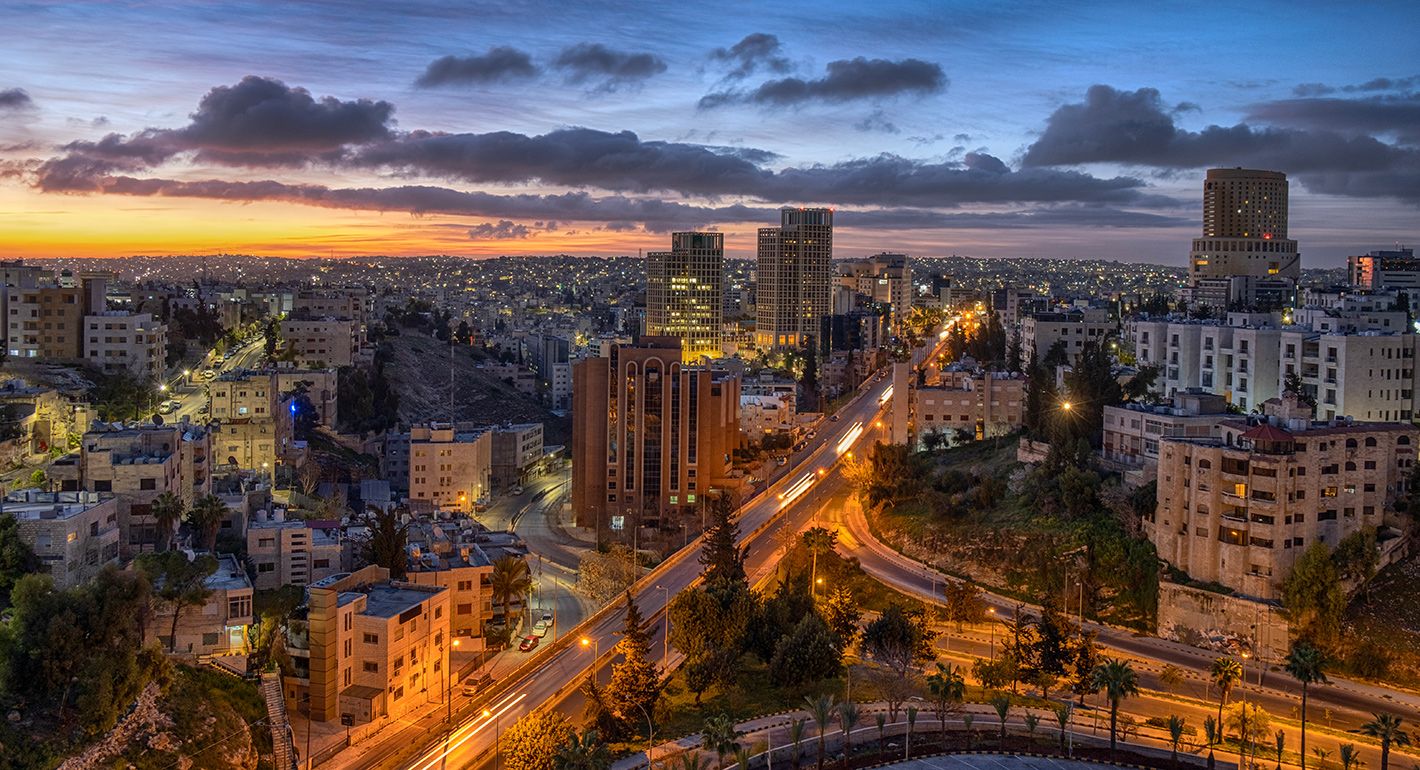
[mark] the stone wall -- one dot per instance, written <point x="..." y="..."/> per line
<point x="1221" y="622"/>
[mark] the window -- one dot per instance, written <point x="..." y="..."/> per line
<point x="371" y="667"/>
<point x="372" y="638"/>
<point x="209" y="639"/>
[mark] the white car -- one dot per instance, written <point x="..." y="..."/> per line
<point x="541" y="628"/>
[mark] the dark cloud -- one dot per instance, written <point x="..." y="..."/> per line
<point x="257" y="122"/>
<point x="877" y="121"/>
<point x="15" y="99"/>
<point x="501" y="63"/>
<point x="609" y="69"/>
<point x="845" y="80"/>
<point x="1391" y="114"/>
<point x="1375" y="84"/>
<point x="758" y="50"/>
<point x="1133" y="127"/>
<point x="1055" y="216"/>
<point x="504" y="230"/>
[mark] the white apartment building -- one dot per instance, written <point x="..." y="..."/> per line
<point x="449" y="469"/>
<point x="1367" y="375"/>
<point x="762" y="415"/>
<point x="1041" y="331"/>
<point x="117" y="341"/>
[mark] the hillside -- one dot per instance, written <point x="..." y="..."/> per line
<point x="418" y="370"/>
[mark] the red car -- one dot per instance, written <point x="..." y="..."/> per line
<point x="529" y="643"/>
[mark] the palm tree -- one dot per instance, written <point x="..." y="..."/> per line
<point x="1118" y="680"/>
<point x="881" y="719"/>
<point x="1212" y="733"/>
<point x="510" y="578"/>
<point x="1386" y="727"/>
<point x="720" y="736"/>
<point x="584" y="751"/>
<point x="167" y="511"/>
<point x="1171" y="677"/>
<point x="690" y="760"/>
<point x="966" y="720"/>
<point x="796" y="738"/>
<point x="1002" y="704"/>
<point x="1281" y="737"/>
<point x="206" y="517"/>
<point x="1306" y="664"/>
<point x="1176" y="724"/>
<point x="848" y="716"/>
<point x="1226" y="673"/>
<point x="1063" y="713"/>
<point x="1322" y="754"/>
<point x="948" y="689"/>
<point x="821" y="709"/>
<point x="911" y="723"/>
<point x="1350" y="757"/>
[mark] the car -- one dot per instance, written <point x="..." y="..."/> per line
<point x="477" y="683"/>
<point x="541" y="628"/>
<point x="517" y="490"/>
<point x="529" y="643"/>
<point x="168" y="407"/>
<point x="204" y="409"/>
<point x="834" y="418"/>
<point x="547" y="616"/>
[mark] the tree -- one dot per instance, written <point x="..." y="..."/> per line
<point x="1313" y="596"/>
<point x="948" y="689"/>
<point x="1002" y="704"/>
<point x="710" y="631"/>
<point x="1214" y="735"/>
<point x="840" y="611"/>
<point x="848" y="716"/>
<point x="178" y="582"/>
<point x="1357" y="558"/>
<point x="1292" y="384"/>
<point x="635" y="684"/>
<point x="1092" y="386"/>
<point x="796" y="737"/>
<point x="1306" y="664"/>
<point x="721" y="736"/>
<point x="509" y="580"/>
<point x="1175" y="725"/>
<point x="963" y="603"/>
<point x="809" y="653"/>
<point x="1386" y="728"/>
<point x="1253" y="726"/>
<point x="821" y="709"/>
<point x="17" y="559"/>
<point x="899" y="638"/>
<point x="533" y="742"/>
<point x="1226" y="673"/>
<point x="1350" y="757"/>
<point x="818" y="540"/>
<point x="1118" y="681"/>
<point x="605" y="575"/>
<point x="583" y="751"/>
<point x="386" y="538"/>
<point x="1171" y="677"/>
<point x="167" y="511"/>
<point x="206" y="517"/>
<point x="721" y="559"/>
<point x="1063" y="712"/>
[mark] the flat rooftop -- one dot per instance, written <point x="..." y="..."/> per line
<point x="386" y="600"/>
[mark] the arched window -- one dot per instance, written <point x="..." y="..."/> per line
<point x="1370" y="441"/>
<point x="1350" y="443"/>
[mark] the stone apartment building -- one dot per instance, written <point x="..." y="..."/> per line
<point x="1132" y="431"/>
<point x="516" y="454"/>
<point x="74" y="534"/>
<point x="367" y="647"/>
<point x="291" y="551"/>
<point x="1238" y="508"/>
<point x="448" y="466"/>
<point x="219" y="627"/>
<point x="321" y="342"/>
<point x="139" y="462"/>
<point x="1075" y="328"/>
<point x="45" y="313"/>
<point x="464" y="571"/>
<point x="987" y="404"/>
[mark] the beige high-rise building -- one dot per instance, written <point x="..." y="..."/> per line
<point x="1240" y="507"/>
<point x="650" y="436"/>
<point x="684" y="293"/>
<point x="794" y="278"/>
<point x="1244" y="252"/>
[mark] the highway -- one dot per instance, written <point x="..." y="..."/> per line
<point x="191" y="392"/>
<point x="558" y="671"/>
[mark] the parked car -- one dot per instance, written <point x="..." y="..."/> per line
<point x="541" y="628"/>
<point x="477" y="683"/>
<point x="529" y="643"/>
<point x="833" y="418"/>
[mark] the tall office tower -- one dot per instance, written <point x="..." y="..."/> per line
<point x="1381" y="270"/>
<point x="650" y="437"/>
<point x="1244" y="255"/>
<point x="794" y="278"/>
<point x="684" y="293"/>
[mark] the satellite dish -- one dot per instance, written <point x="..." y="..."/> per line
<point x="157" y="419"/>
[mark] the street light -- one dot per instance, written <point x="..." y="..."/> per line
<point x="497" y="736"/>
<point x="992" y="623"/>
<point x="1066" y="406"/>
<point x="595" y="644"/>
<point x="448" y="699"/>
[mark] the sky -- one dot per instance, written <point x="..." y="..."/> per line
<point x="935" y="128"/>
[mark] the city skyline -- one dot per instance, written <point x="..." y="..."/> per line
<point x="934" y="131"/>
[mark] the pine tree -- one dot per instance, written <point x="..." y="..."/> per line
<point x="721" y="558"/>
<point x="635" y="683"/>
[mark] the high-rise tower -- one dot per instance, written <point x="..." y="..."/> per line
<point x="793" y="282"/>
<point x="1244" y="254"/>
<point x="684" y="293"/>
